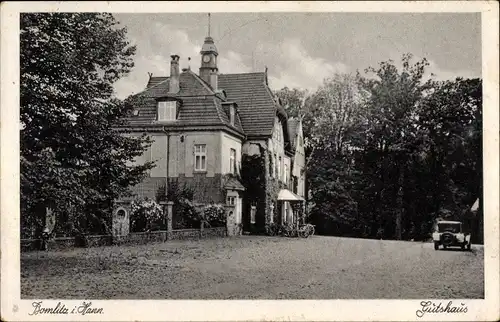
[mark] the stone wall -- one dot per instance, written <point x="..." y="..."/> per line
<point x="130" y="239"/>
<point x="61" y="243"/>
<point x="183" y="234"/>
<point x="214" y="232"/>
<point x="99" y="240"/>
<point x="146" y="237"/>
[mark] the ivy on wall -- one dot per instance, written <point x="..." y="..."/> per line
<point x="253" y="177"/>
<point x="273" y="187"/>
<point x="262" y="189"/>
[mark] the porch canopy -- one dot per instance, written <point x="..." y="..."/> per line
<point x="287" y="195"/>
<point x="475" y="206"/>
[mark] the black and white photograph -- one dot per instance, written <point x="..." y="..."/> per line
<point x="277" y="155"/>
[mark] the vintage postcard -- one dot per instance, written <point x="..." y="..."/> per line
<point x="250" y="161"/>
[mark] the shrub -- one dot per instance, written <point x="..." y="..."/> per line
<point x="185" y="215"/>
<point x="146" y="215"/>
<point x="184" y="212"/>
<point x="272" y="229"/>
<point x="213" y="215"/>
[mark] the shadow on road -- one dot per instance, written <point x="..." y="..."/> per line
<point x="473" y="251"/>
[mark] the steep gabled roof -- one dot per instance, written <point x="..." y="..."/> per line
<point x="155" y="80"/>
<point x="190" y="84"/>
<point x="200" y="106"/>
<point x="255" y="101"/>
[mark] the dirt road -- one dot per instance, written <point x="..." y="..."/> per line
<point x="251" y="267"/>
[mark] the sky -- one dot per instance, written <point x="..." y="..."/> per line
<point x="300" y="50"/>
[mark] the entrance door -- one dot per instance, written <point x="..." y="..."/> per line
<point x="238" y="209"/>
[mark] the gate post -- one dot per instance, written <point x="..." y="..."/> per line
<point x="120" y="225"/>
<point x="231" y="228"/>
<point x="168" y="213"/>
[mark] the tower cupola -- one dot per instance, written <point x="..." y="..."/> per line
<point x="208" y="57"/>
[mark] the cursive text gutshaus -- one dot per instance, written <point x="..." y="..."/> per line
<point x="439" y="307"/>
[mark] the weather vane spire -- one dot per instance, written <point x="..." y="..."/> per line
<point x="209" y="24"/>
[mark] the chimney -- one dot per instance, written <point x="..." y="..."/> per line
<point x="174" y="75"/>
<point x="214" y="79"/>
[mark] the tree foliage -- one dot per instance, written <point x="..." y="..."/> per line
<point x="292" y="101"/>
<point x="390" y="150"/>
<point x="72" y="159"/>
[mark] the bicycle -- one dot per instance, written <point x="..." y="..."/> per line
<point x="289" y="231"/>
<point x="272" y="230"/>
<point x="306" y="230"/>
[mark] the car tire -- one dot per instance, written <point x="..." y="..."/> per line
<point x="468" y="246"/>
<point x="436" y="246"/>
<point x="463" y="246"/>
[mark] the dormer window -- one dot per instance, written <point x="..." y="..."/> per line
<point x="167" y="111"/>
<point x="231" y="114"/>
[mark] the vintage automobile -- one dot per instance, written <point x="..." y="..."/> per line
<point x="451" y="233"/>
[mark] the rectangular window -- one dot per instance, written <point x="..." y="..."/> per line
<point x="200" y="157"/>
<point x="231" y="200"/>
<point x="284" y="217"/>
<point x="280" y="176"/>
<point x="285" y="174"/>
<point x="275" y="165"/>
<point x="231" y="114"/>
<point x="232" y="161"/>
<point x="253" y="211"/>
<point x="167" y="111"/>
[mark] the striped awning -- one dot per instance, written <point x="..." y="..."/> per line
<point x="287" y="195"/>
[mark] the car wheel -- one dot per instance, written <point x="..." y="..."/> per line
<point x="444" y="246"/>
<point x="463" y="246"/>
<point x="436" y="246"/>
<point x="468" y="246"/>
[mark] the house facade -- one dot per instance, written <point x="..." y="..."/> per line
<point x="203" y="124"/>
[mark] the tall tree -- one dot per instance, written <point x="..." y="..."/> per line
<point x="393" y="151"/>
<point x="393" y="99"/>
<point x="72" y="160"/>
<point x="335" y="119"/>
<point x="452" y="121"/>
<point x="293" y="101"/>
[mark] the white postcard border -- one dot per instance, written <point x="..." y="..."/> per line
<point x="15" y="309"/>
